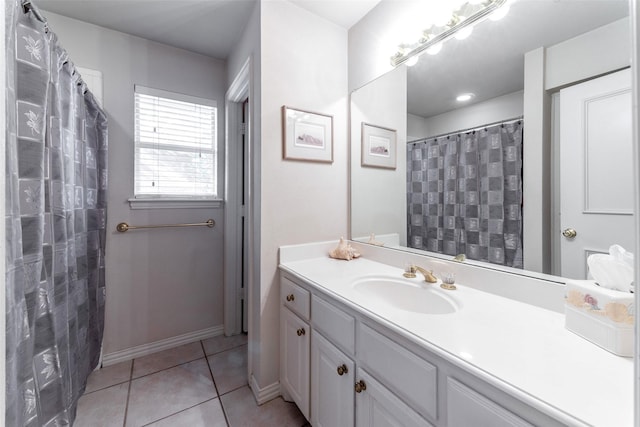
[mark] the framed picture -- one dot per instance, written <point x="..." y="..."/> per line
<point x="307" y="135"/>
<point x="378" y="146"/>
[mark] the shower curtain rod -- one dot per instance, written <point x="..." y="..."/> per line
<point x="458" y="132"/>
<point x="28" y="6"/>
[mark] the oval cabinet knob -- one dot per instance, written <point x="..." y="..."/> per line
<point x="290" y="297"/>
<point x="342" y="369"/>
<point x="360" y="386"/>
<point x="569" y="233"/>
<point x="300" y="332"/>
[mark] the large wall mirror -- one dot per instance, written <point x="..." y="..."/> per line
<point x="552" y="75"/>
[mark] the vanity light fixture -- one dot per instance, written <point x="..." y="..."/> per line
<point x="461" y="22"/>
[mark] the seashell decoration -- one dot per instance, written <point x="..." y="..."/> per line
<point x="373" y="241"/>
<point x="344" y="251"/>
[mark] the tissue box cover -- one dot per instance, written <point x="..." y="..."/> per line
<point x="603" y="316"/>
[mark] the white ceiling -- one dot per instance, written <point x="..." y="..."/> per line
<point x="489" y="63"/>
<point x="209" y="27"/>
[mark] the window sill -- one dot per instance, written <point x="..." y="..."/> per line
<point x="174" y="203"/>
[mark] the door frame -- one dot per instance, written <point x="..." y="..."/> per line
<point x="238" y="91"/>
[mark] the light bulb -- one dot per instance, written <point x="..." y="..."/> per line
<point x="500" y="13"/>
<point x="433" y="50"/>
<point x="464" y="33"/>
<point x="412" y="61"/>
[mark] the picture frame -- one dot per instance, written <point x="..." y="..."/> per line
<point x="306" y="135"/>
<point x="378" y="146"/>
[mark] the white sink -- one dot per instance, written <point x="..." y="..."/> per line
<point x="415" y="296"/>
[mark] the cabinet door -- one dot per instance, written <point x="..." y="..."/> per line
<point x="467" y="407"/>
<point x="376" y="406"/>
<point x="295" y="359"/>
<point x="332" y="379"/>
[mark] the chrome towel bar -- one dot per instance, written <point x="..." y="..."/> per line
<point x="123" y="226"/>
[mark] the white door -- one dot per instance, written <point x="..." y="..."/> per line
<point x="596" y="170"/>
<point x="332" y="382"/>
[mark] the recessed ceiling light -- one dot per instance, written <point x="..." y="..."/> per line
<point x="464" y="97"/>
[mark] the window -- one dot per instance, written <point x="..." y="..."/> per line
<point x="175" y="145"/>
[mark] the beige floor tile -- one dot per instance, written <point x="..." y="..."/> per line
<point x="221" y="343"/>
<point x="103" y="408"/>
<point x="167" y="359"/>
<point x="242" y="411"/>
<point x="229" y="369"/>
<point x="164" y="393"/>
<point x="207" y="414"/>
<point x="108" y="376"/>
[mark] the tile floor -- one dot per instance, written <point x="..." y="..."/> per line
<point x="199" y="384"/>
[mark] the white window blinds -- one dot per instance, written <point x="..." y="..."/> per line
<point x="175" y="145"/>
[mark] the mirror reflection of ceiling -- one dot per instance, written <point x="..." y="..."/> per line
<point x="495" y="51"/>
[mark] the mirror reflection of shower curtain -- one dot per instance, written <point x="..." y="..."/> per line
<point x="56" y="153"/>
<point x="464" y="194"/>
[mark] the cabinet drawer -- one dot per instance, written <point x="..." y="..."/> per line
<point x="294" y="297"/>
<point x="334" y="323"/>
<point x="410" y="377"/>
<point x="467" y="407"/>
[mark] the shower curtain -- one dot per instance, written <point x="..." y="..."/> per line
<point x="464" y="194"/>
<point x="56" y="153"/>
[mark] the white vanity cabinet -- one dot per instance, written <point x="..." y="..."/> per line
<point x="295" y="344"/>
<point x="349" y="368"/>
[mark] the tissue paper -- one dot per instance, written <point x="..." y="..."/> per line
<point x="613" y="270"/>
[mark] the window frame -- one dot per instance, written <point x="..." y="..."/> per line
<point x="159" y="201"/>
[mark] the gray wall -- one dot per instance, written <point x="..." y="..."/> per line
<point x="161" y="284"/>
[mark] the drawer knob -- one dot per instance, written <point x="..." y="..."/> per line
<point x="300" y="332"/>
<point x="342" y="369"/>
<point x="360" y="386"/>
<point x="290" y="297"/>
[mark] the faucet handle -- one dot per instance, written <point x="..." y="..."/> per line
<point x="409" y="270"/>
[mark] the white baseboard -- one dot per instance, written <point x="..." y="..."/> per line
<point x="145" y="349"/>
<point x="263" y="395"/>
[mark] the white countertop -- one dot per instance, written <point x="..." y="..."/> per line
<point x="520" y="348"/>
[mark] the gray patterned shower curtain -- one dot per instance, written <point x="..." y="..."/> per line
<point x="464" y="194"/>
<point x="56" y="178"/>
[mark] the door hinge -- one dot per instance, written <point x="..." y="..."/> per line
<point x="242" y="293"/>
<point x="243" y="128"/>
